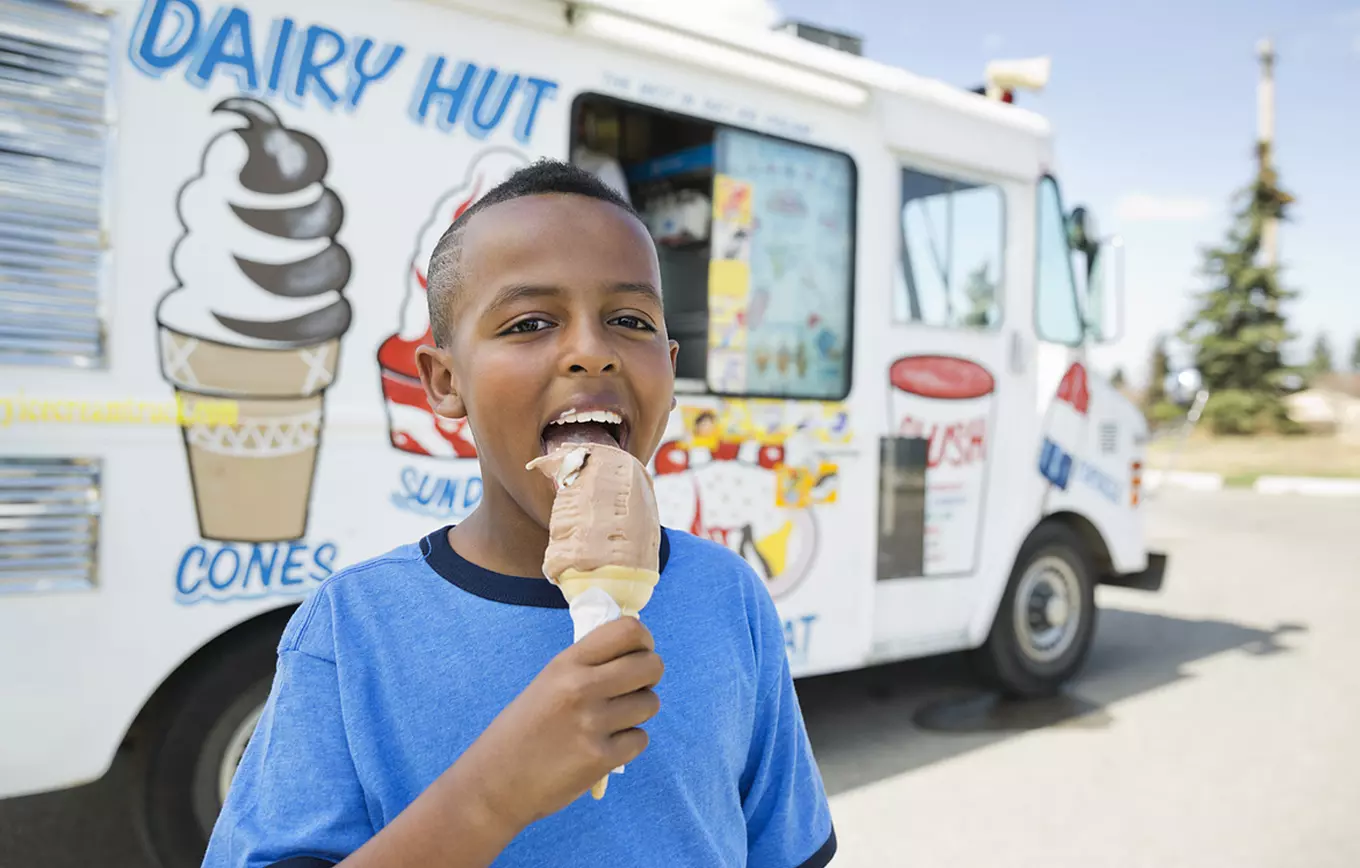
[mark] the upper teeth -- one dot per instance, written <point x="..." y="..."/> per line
<point x="589" y="416"/>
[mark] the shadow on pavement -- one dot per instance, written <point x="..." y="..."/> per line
<point x="877" y="723"/>
<point x="82" y="826"/>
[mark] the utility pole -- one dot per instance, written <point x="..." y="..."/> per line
<point x="1265" y="139"/>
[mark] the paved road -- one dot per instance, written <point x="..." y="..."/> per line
<point x="1217" y="724"/>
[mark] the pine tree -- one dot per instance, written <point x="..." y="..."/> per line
<point x="1238" y="330"/>
<point x="1355" y="355"/>
<point x="1322" y="355"/>
<point x="1158" y="368"/>
<point x="980" y="292"/>
<point x="1158" y="408"/>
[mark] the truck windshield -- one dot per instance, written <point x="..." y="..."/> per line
<point x="1057" y="312"/>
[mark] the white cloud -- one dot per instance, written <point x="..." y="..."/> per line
<point x="1146" y="207"/>
<point x="1348" y="21"/>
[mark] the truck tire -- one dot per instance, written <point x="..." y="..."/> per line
<point x="1044" y="626"/>
<point x="194" y="741"/>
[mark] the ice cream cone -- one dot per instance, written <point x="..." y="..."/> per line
<point x="629" y="587"/>
<point x="597" y="791"/>
<point x="252" y="480"/>
<point x="603" y="538"/>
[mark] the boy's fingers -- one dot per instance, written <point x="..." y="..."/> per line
<point x="632" y="710"/>
<point x="613" y="640"/>
<point x="636" y="671"/>
<point x="627" y="746"/>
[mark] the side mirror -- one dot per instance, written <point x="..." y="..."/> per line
<point x="1081" y="233"/>
<point x="1104" y="298"/>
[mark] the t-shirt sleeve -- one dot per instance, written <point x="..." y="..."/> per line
<point x="296" y="800"/>
<point x="788" y="819"/>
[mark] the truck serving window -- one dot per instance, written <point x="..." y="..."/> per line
<point x="756" y="240"/>
<point x="54" y="72"/>
<point x="952" y="252"/>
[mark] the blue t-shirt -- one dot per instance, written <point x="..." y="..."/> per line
<point x="394" y="666"/>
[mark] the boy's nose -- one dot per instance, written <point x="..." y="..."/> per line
<point x="589" y="352"/>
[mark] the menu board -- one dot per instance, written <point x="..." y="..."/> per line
<point x="780" y="273"/>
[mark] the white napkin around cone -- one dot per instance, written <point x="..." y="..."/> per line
<point x="593" y="608"/>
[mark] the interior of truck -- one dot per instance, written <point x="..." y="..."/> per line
<point x="665" y="163"/>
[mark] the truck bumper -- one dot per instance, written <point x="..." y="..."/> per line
<point x="1149" y="579"/>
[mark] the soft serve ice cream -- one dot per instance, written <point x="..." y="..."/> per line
<point x="257" y="316"/>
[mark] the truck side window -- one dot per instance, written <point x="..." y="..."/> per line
<point x="1057" y="317"/>
<point x="781" y="270"/>
<point x="951" y="254"/>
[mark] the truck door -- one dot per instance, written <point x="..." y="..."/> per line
<point x="952" y="370"/>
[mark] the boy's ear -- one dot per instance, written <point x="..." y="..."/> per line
<point x="441" y="387"/>
<point x="675" y="355"/>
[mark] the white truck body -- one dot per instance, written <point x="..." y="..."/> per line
<point x="91" y="629"/>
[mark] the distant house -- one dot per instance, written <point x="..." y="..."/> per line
<point x="1331" y="405"/>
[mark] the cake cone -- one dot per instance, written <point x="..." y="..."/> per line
<point x="629" y="587"/>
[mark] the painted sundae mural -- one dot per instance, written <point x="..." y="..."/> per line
<point x="412" y="425"/>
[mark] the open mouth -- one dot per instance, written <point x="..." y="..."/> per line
<point x="594" y="426"/>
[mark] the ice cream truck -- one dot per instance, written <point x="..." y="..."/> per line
<point x="213" y="243"/>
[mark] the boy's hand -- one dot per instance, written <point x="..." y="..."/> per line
<point x="574" y="723"/>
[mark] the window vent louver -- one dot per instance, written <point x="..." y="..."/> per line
<point x="54" y="77"/>
<point x="49" y="523"/>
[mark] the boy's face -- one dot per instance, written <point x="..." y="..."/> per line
<point x="558" y="309"/>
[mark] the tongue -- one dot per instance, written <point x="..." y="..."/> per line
<point x="577" y="432"/>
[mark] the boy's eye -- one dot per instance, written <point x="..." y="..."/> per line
<point x="524" y="326"/>
<point x="634" y="322"/>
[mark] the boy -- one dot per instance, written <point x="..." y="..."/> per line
<point x="429" y="707"/>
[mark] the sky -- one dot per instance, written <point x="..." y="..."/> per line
<point x="1153" y="108"/>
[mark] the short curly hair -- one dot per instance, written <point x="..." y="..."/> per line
<point x="543" y="177"/>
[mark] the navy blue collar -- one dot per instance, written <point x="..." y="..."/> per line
<point x="498" y="587"/>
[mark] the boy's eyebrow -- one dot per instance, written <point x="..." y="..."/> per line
<point x="637" y="289"/>
<point x="514" y="292"/>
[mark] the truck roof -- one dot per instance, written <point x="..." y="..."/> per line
<point x="698" y="20"/>
<point x="712" y="23"/>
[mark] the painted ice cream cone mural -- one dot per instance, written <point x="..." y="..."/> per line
<point x="257" y="317"/>
<point x="948" y="401"/>
<point x="412" y="426"/>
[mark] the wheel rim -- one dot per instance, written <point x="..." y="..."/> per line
<point x="236" y="748"/>
<point x="1048" y="609"/>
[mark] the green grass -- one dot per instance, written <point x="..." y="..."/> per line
<point x="1240" y="460"/>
